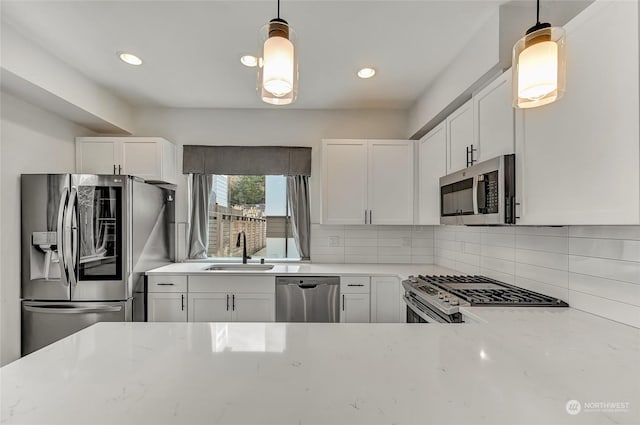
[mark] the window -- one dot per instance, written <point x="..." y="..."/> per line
<point x="256" y="205"/>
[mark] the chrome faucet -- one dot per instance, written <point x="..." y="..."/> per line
<point x="245" y="257"/>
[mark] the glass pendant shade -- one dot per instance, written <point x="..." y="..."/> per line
<point x="278" y="66"/>
<point x="539" y="67"/>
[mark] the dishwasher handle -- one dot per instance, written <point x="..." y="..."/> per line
<point x="307" y="285"/>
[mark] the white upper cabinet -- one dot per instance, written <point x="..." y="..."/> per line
<point x="344" y="178"/>
<point x="494" y="119"/>
<point x="460" y="138"/>
<point x="432" y="164"/>
<point x="578" y="158"/>
<point x="390" y="183"/>
<point x="367" y="181"/>
<point x="151" y="158"/>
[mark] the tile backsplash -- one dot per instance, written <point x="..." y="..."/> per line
<point x="372" y="244"/>
<point x="593" y="268"/>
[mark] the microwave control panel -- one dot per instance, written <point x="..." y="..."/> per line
<point x="488" y="193"/>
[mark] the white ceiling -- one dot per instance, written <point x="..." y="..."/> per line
<point x="191" y="49"/>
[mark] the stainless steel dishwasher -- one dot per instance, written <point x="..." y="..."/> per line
<point x="307" y="299"/>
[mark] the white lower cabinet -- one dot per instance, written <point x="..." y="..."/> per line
<point x="209" y="307"/>
<point x="166" y="307"/>
<point x="386" y="300"/>
<point x="167" y="298"/>
<point x="231" y="299"/>
<point x="253" y="308"/>
<point x="355" y="304"/>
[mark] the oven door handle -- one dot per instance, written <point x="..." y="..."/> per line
<point x="475" y="194"/>
<point x="420" y="313"/>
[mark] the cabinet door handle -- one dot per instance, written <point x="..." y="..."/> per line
<point x="233" y="302"/>
<point x="227" y="302"/>
<point x="119" y="169"/>
<point x="182" y="300"/>
<point x="342" y="302"/>
<point x="370" y="216"/>
<point x="114" y="168"/>
<point x="355" y="284"/>
<point x="472" y="150"/>
<point x="365" y="216"/>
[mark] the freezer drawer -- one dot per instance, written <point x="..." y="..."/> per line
<point x="46" y="322"/>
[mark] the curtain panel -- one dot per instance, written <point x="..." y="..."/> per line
<point x="298" y="199"/>
<point x="199" y="224"/>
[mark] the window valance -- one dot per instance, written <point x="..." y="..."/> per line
<point x="247" y="160"/>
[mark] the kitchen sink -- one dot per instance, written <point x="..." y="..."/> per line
<point x="240" y="267"/>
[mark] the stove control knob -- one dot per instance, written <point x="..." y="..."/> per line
<point x="454" y="301"/>
<point x="440" y="295"/>
<point x="413" y="279"/>
<point x="446" y="299"/>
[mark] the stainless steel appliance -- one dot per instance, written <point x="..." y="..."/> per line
<point x="307" y="299"/>
<point x="86" y="242"/>
<point x="482" y="194"/>
<point x="437" y="299"/>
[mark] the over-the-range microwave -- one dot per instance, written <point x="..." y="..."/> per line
<point x="483" y="194"/>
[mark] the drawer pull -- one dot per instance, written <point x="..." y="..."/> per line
<point x="355" y="284"/>
<point x="164" y="284"/>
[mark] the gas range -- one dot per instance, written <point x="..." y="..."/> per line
<point x="439" y="297"/>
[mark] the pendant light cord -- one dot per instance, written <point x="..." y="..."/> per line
<point x="279" y="8"/>
<point x="537" y="11"/>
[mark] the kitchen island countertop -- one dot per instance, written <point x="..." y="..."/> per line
<point x="522" y="366"/>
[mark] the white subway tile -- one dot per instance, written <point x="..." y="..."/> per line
<point x="393" y="259"/>
<point x="361" y="250"/>
<point x="422" y="259"/>
<point x="616" y="249"/>
<point x="445" y="262"/>
<point x="394" y="251"/>
<point x="543" y="259"/>
<point x="467" y="268"/>
<point x="614" y="310"/>
<point x="422" y="251"/>
<point x="610" y="269"/>
<point x="542" y="231"/>
<point x="497" y="239"/>
<point x="471" y="248"/>
<point x="393" y="241"/>
<point x="605" y="232"/>
<point x="320" y="258"/>
<point x="367" y="233"/>
<point x="543" y="243"/>
<point x="501" y="252"/>
<point x="611" y="289"/>
<point x="360" y="259"/>
<point x="502" y="266"/>
<point x="497" y="275"/>
<point x="543" y="288"/>
<point x="422" y="243"/>
<point x="542" y="274"/>
<point x="360" y="242"/>
<point x="393" y="234"/>
<point x="471" y="259"/>
<point x="327" y="250"/>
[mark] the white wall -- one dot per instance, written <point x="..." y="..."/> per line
<point x="32" y="140"/>
<point x="594" y="268"/>
<point x="273" y="126"/>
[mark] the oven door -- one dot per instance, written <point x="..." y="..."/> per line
<point x="421" y="314"/>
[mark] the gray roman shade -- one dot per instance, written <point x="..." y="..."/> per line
<point x="247" y="160"/>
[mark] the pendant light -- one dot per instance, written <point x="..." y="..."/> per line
<point x="539" y="65"/>
<point x="278" y="66"/>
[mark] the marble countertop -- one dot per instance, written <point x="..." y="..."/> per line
<point x="308" y="269"/>
<point x="522" y="366"/>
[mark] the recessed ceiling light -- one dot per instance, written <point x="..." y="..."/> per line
<point x="130" y="58"/>
<point x="248" y="60"/>
<point x="366" y="73"/>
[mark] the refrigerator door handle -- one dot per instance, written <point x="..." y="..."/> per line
<point x="71" y="237"/>
<point x="73" y="310"/>
<point x="60" y="234"/>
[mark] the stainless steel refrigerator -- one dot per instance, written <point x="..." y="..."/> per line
<point x="86" y="242"/>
